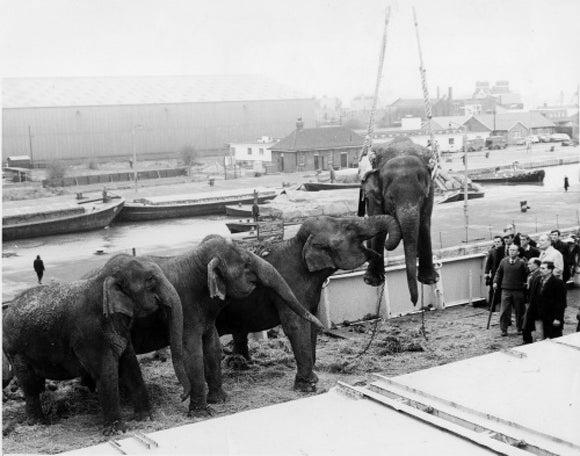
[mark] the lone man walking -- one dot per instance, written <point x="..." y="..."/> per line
<point x="566" y="183"/>
<point x="39" y="268"/>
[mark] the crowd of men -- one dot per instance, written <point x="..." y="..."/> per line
<point x="529" y="279"/>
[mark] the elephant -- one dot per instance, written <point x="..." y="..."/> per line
<point x="400" y="185"/>
<point x="66" y="330"/>
<point x="206" y="277"/>
<point x="322" y="246"/>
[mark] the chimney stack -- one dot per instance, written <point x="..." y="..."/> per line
<point x="299" y="123"/>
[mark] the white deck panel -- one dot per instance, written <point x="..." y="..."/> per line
<point x="327" y="424"/>
<point x="539" y="391"/>
<point x="531" y="388"/>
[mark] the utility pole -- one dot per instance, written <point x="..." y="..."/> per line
<point x="465" y="193"/>
<point x="30" y="145"/>
<point x="133" y="135"/>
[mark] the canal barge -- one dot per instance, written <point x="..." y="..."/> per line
<point x="59" y="218"/>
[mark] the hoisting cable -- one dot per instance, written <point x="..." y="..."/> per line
<point x="368" y="142"/>
<point x="435" y="160"/>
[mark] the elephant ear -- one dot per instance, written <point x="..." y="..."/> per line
<point x="315" y="256"/>
<point x="372" y="188"/>
<point x="215" y="283"/>
<point x="114" y="300"/>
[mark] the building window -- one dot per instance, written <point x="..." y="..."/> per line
<point x="301" y="159"/>
<point x="451" y="141"/>
<point x="249" y="151"/>
<point x="261" y="151"/>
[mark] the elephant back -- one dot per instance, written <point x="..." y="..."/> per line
<point x="398" y="147"/>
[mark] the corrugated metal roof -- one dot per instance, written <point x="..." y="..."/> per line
<point x="58" y="92"/>
<point x="318" y="138"/>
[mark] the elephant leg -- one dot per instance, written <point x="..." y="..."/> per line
<point x="241" y="344"/>
<point x="194" y="365"/>
<point x="213" y="370"/>
<point x="87" y="381"/>
<point x="375" y="273"/>
<point x="299" y="334"/>
<point x="32" y="386"/>
<point x="132" y="378"/>
<point x="108" y="386"/>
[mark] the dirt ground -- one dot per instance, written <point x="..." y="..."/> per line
<point x="399" y="346"/>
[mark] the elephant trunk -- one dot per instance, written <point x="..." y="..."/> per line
<point x="270" y="277"/>
<point x="373" y="225"/>
<point x="409" y="218"/>
<point x="169" y="296"/>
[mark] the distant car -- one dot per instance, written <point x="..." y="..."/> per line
<point x="495" y="142"/>
<point x="544" y="138"/>
<point x="559" y="137"/>
<point x="533" y="139"/>
<point x="520" y="142"/>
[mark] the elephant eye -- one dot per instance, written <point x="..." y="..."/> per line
<point x="149" y="282"/>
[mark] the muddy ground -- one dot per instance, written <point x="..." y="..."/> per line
<point x="399" y="346"/>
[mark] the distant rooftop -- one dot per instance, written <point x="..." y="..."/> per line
<point x="99" y="91"/>
<point x="319" y="138"/>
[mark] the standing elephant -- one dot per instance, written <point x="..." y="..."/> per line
<point x="321" y="246"/>
<point x="206" y="277"/>
<point x="66" y="330"/>
<point x="400" y="185"/>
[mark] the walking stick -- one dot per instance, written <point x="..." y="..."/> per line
<point x="491" y="304"/>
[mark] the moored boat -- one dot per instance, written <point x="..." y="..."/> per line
<point x="23" y="222"/>
<point x="515" y="176"/>
<point x="241" y="226"/>
<point x="174" y="206"/>
<point x="318" y="186"/>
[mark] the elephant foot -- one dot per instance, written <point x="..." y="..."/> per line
<point x="428" y="277"/>
<point x="200" y="411"/>
<point x="115" y="428"/>
<point x="306" y="385"/>
<point x="37" y="419"/>
<point x="374" y="278"/>
<point x="217" y="396"/>
<point x="142" y="415"/>
<point x="237" y="362"/>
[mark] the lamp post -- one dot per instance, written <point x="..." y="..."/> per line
<point x="133" y="131"/>
<point x="465" y="180"/>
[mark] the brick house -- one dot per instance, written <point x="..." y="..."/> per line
<point x="310" y="149"/>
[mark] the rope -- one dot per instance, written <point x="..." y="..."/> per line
<point x="368" y="142"/>
<point x="375" y="327"/>
<point x="435" y="160"/>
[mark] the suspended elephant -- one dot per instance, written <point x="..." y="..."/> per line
<point x="400" y="185"/>
<point x="321" y="246"/>
<point x="82" y="329"/>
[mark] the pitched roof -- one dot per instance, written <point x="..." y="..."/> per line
<point x="448" y="122"/>
<point x="318" y="139"/>
<point x="53" y="92"/>
<point x="506" y="120"/>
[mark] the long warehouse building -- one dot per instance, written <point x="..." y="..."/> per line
<point x="76" y="118"/>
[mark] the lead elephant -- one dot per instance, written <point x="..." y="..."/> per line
<point x="66" y="330"/>
<point x="206" y="277"/>
<point x="321" y="246"/>
<point x="400" y="185"/>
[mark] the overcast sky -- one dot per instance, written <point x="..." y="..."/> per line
<point x="319" y="47"/>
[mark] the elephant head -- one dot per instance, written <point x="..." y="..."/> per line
<point x="338" y="243"/>
<point x="400" y="185"/>
<point x="137" y="288"/>
<point x="233" y="272"/>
